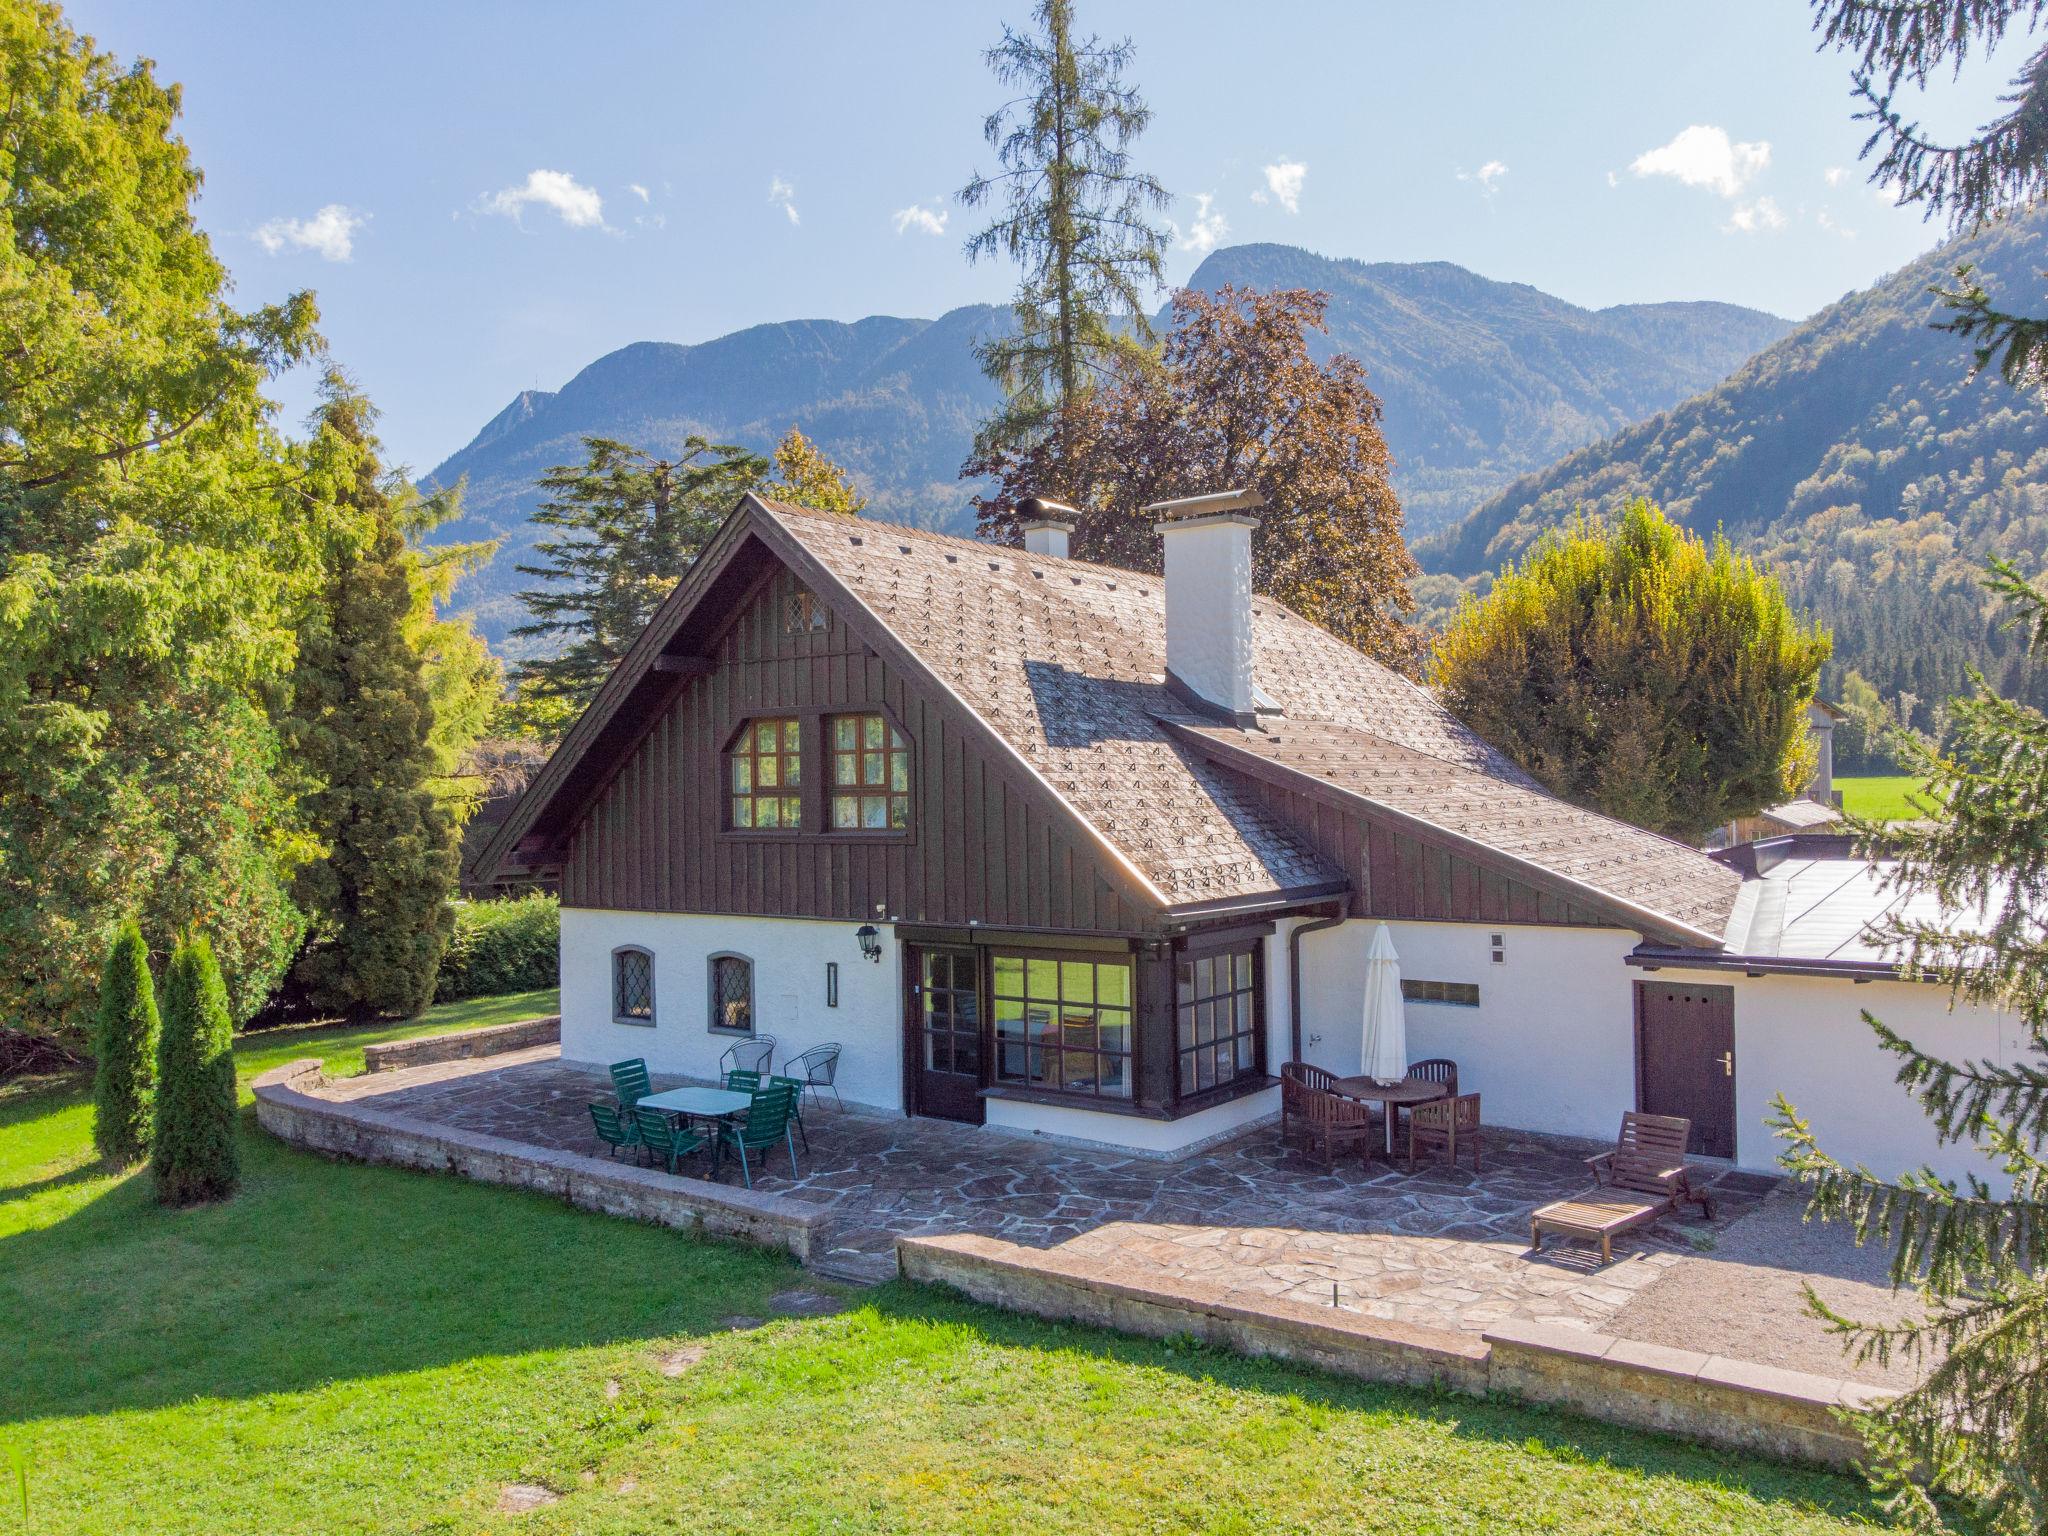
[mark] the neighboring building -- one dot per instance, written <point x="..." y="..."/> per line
<point x="1815" y="811"/>
<point x="1082" y="851"/>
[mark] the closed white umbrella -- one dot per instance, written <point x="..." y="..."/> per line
<point x="1384" y="1057"/>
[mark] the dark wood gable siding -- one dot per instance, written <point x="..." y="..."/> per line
<point x="1397" y="873"/>
<point x="979" y="849"/>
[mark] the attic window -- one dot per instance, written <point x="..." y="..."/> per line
<point x="802" y="614"/>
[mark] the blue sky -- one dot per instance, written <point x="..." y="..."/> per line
<point x="488" y="197"/>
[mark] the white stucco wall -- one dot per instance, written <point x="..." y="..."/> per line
<point x="1155" y="1138"/>
<point x="789" y="958"/>
<point x="1551" y="1046"/>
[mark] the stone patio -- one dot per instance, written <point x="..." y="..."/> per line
<point x="1438" y="1249"/>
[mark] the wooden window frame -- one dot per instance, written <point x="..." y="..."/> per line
<point x="713" y="1026"/>
<point x="619" y="1014"/>
<point x="742" y="746"/>
<point x="1184" y="1091"/>
<point x="896" y="744"/>
<point x="1131" y="1008"/>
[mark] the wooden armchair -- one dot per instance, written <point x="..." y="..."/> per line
<point x="1446" y="1123"/>
<point x="1648" y="1158"/>
<point x="1436" y="1069"/>
<point x="1328" y="1123"/>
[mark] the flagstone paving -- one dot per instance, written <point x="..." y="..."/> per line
<point x="1440" y="1248"/>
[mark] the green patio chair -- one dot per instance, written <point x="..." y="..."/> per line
<point x="737" y="1081"/>
<point x="613" y="1129"/>
<point x="765" y="1128"/>
<point x="663" y="1140"/>
<point x="629" y="1080"/>
<point x="796" y="1086"/>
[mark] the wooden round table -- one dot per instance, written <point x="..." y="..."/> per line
<point x="1410" y="1090"/>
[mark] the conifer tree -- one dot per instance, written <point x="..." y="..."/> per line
<point x="124" y="1050"/>
<point x="630" y="524"/>
<point x="363" y="729"/>
<point x="1074" y="215"/>
<point x="1642" y="672"/>
<point x="804" y="475"/>
<point x="193" y="1155"/>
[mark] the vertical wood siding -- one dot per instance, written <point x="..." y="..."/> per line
<point x="979" y="849"/>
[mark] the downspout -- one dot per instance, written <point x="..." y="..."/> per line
<point x="1294" y="972"/>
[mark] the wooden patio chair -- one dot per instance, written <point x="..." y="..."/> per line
<point x="1334" y="1124"/>
<point x="1642" y="1178"/>
<point x="1446" y="1123"/>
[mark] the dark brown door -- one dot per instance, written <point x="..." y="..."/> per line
<point x="942" y="1033"/>
<point x="1685" y="1059"/>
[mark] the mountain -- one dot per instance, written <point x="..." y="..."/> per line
<point x="1860" y="460"/>
<point x="1480" y="380"/>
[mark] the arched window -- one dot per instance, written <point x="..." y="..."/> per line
<point x="632" y="985"/>
<point x="732" y="995"/>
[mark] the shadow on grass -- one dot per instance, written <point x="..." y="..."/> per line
<point x="319" y="1271"/>
<point x="1562" y="1436"/>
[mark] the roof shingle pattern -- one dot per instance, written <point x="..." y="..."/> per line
<point x="1066" y="661"/>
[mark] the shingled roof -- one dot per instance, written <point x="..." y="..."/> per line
<point x="1066" y="662"/>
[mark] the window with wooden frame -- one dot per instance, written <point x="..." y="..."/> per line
<point x="1064" y="1024"/>
<point x="1459" y="994"/>
<point x="732" y="995"/>
<point x="802" y="614"/>
<point x="766" y="766"/>
<point x="1216" y="1019"/>
<point x="870" y="774"/>
<point x="632" y="986"/>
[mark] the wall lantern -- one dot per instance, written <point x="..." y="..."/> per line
<point x="870" y="942"/>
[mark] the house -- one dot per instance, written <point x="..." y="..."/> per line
<point x="1074" y="850"/>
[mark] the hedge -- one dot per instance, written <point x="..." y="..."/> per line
<point x="512" y="945"/>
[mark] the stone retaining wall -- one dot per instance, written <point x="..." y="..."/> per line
<point x="1753" y="1408"/>
<point x="460" y="1045"/>
<point x="289" y="1112"/>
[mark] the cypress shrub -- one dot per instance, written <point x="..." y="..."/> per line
<point x="512" y="945"/>
<point x="125" y="1044"/>
<point x="194" y="1156"/>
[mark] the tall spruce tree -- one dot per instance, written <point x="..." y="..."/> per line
<point x="362" y="729"/>
<point x="193" y="1155"/>
<point x="630" y="524"/>
<point x="124" y="1050"/>
<point x="1073" y="213"/>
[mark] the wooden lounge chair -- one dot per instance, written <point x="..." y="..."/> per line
<point x="1446" y="1123"/>
<point x="1642" y="1178"/>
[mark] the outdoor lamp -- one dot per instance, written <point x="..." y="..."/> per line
<point x="870" y="941"/>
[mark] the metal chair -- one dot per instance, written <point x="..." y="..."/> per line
<point x="795" y="1085"/>
<point x="819" y="1068"/>
<point x="767" y="1125"/>
<point x="664" y="1140"/>
<point x="614" y="1129"/>
<point x="629" y="1081"/>
<point x="752" y="1055"/>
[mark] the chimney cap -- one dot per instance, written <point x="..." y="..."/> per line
<point x="1211" y="505"/>
<point x="1042" y="511"/>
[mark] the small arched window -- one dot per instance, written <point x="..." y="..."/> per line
<point x="732" y="995"/>
<point x="632" y="986"/>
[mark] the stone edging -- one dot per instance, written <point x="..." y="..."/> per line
<point x="349" y="1130"/>
<point x="1731" y="1403"/>
<point x="461" y="1044"/>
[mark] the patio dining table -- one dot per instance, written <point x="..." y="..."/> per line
<point x="702" y="1104"/>
<point x="1409" y="1090"/>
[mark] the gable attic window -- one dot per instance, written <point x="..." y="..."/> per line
<point x="802" y="614"/>
<point x="870" y="774"/>
<point x="766" y="772"/>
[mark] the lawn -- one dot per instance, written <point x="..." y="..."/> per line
<point x="1886" y="797"/>
<point x="370" y="1350"/>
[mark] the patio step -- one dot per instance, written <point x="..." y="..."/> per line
<point x="855" y="1268"/>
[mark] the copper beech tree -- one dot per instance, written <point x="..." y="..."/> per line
<point x="1235" y="400"/>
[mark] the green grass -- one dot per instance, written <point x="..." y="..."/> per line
<point x="1886" y="797"/>
<point x="370" y="1350"/>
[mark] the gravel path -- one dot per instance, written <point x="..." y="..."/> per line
<point x="1744" y="1299"/>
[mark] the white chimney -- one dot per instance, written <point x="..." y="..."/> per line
<point x="1209" y="598"/>
<point x="1047" y="526"/>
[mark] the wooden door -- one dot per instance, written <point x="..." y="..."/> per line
<point x="942" y="1033"/>
<point x="1685" y="1059"/>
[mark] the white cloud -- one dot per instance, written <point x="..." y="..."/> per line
<point x="783" y="196"/>
<point x="330" y="234"/>
<point x="1208" y="229"/>
<point x="1834" y="175"/>
<point x="637" y="190"/>
<point x="1827" y="222"/>
<point x="927" y="221"/>
<point x="1283" y="185"/>
<point x="578" y="206"/>
<point x="1760" y="214"/>
<point x="1705" y="157"/>
<point x="1488" y="176"/>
